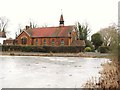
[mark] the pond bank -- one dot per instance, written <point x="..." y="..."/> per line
<point x="109" y="78"/>
<point x="81" y="54"/>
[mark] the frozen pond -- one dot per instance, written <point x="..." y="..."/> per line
<point x="47" y="72"/>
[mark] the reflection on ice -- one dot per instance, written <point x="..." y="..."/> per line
<point x="47" y="72"/>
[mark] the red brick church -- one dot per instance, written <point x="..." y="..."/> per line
<point x="50" y="36"/>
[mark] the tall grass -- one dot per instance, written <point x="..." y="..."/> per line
<point x="110" y="75"/>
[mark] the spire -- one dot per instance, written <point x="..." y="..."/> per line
<point x="61" y="20"/>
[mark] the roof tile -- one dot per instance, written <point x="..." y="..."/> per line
<point x="50" y="31"/>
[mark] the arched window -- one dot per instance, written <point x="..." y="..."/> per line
<point x="53" y="42"/>
<point x="24" y="40"/>
<point x="45" y="42"/>
<point x="62" y="42"/>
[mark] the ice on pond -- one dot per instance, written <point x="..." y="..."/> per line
<point x="47" y="72"/>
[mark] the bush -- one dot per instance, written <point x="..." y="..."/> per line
<point x="45" y="49"/>
<point x="89" y="44"/>
<point x="88" y="49"/>
<point x="26" y="49"/>
<point x="63" y="49"/>
<point x="104" y="49"/>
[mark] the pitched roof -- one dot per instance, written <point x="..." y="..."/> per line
<point x="50" y="31"/>
<point x="2" y="34"/>
<point x="78" y="43"/>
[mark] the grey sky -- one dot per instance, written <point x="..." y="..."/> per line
<point x="97" y="13"/>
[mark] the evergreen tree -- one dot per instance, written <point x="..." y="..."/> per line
<point x="83" y="31"/>
<point x="97" y="40"/>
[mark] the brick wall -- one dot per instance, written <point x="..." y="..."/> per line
<point x="22" y="35"/>
<point x="39" y="41"/>
<point x="57" y="41"/>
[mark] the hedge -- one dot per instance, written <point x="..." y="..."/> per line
<point x="45" y="49"/>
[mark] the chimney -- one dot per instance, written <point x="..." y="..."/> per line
<point x="27" y="27"/>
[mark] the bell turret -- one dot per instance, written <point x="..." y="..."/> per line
<point x="61" y="20"/>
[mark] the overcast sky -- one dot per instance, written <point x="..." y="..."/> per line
<point x="97" y="13"/>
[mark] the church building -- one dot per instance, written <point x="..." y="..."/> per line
<point x="50" y="36"/>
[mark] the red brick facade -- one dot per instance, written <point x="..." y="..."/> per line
<point x="43" y="41"/>
<point x="23" y="35"/>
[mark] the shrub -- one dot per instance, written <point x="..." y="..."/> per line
<point x="89" y="44"/>
<point x="104" y="49"/>
<point x="45" y="49"/>
<point x="88" y="49"/>
<point x="64" y="49"/>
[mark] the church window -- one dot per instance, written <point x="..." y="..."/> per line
<point x="45" y="42"/>
<point x="36" y="42"/>
<point x="53" y="42"/>
<point x="24" y="40"/>
<point x="62" y="42"/>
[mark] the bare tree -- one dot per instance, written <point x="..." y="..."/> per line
<point x="32" y="24"/>
<point x="44" y="25"/>
<point x="3" y="24"/>
<point x="20" y="28"/>
<point x="109" y="35"/>
<point x="18" y="31"/>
